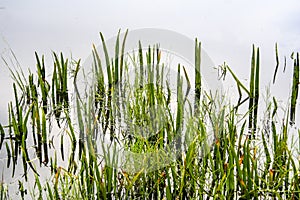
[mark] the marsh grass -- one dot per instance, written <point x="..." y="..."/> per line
<point x="244" y="159"/>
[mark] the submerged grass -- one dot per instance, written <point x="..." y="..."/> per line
<point x="217" y="155"/>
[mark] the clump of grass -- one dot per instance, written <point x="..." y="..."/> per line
<point x="207" y="148"/>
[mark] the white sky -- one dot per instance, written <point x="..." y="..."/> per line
<point x="227" y="29"/>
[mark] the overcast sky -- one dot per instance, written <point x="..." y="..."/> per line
<point x="227" y="29"/>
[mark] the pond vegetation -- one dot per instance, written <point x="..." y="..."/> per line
<point x="207" y="148"/>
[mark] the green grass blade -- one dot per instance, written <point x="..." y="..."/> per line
<point x="238" y="81"/>
<point x="141" y="62"/>
<point x="256" y="89"/>
<point x="294" y="90"/>
<point x="117" y="52"/>
<point x="108" y="65"/>
<point x="2" y="134"/>
<point x="277" y="62"/>
<point x="197" y="73"/>
<point x="122" y="56"/>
